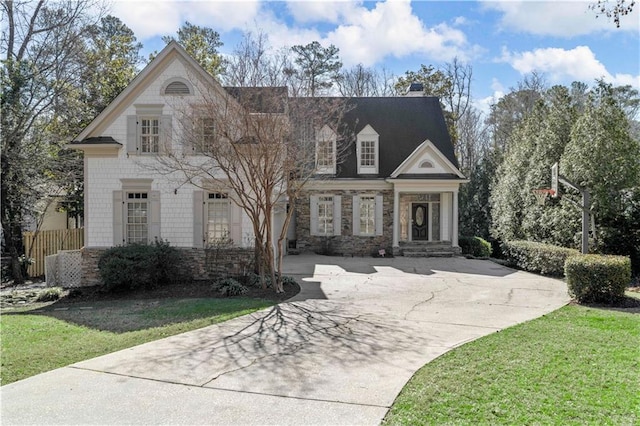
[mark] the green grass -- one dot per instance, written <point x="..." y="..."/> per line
<point x="577" y="365"/>
<point x="38" y="340"/>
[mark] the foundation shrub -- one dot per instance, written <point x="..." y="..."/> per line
<point x="536" y="257"/>
<point x="475" y="246"/>
<point x="141" y="266"/>
<point x="598" y="278"/>
<point x="230" y="287"/>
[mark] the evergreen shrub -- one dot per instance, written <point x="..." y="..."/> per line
<point x="230" y="287"/>
<point x="597" y="278"/>
<point x="475" y="246"/>
<point x="141" y="266"/>
<point x="536" y="257"/>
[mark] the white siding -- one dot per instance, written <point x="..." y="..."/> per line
<point x="104" y="174"/>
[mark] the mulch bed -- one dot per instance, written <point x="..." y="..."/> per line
<point x="26" y="295"/>
<point x="195" y="289"/>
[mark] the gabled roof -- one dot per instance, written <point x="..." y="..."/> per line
<point x="145" y="77"/>
<point x="403" y="124"/>
<point x="426" y="151"/>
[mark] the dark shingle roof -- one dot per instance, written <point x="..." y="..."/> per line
<point x="402" y="123"/>
<point x="99" y="140"/>
<point x="261" y="99"/>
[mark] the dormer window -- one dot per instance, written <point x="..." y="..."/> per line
<point x="177" y="86"/>
<point x="326" y="150"/>
<point x="368" y="151"/>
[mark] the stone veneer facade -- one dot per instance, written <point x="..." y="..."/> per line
<point x="205" y="264"/>
<point x="345" y="244"/>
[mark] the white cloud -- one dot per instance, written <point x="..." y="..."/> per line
<point x="322" y="11"/>
<point x="149" y="19"/>
<point x="558" y="18"/>
<point x="391" y="29"/>
<point x="561" y="65"/>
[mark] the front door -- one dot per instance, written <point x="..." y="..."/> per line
<point x="419" y="227"/>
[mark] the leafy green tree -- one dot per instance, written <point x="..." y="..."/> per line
<point x="112" y="60"/>
<point x="202" y="44"/>
<point x="107" y="60"/>
<point x="602" y="155"/>
<point x="318" y="66"/>
<point x="509" y="194"/>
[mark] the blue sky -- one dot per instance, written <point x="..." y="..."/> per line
<point x="501" y="40"/>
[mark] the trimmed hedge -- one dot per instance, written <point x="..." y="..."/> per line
<point x="141" y="266"/>
<point x="597" y="278"/>
<point x="541" y="258"/>
<point x="475" y="246"/>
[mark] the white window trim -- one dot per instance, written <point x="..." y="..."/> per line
<point x="120" y="209"/>
<point x="368" y="134"/>
<point x="207" y="202"/>
<point x="314" y="213"/>
<point x="378" y="214"/>
<point x="326" y="134"/>
<point x="372" y="232"/>
<point x="134" y="129"/>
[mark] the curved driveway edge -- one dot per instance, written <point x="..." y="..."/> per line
<point x="337" y="353"/>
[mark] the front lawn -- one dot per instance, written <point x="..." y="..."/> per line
<point x="577" y="365"/>
<point x="38" y="339"/>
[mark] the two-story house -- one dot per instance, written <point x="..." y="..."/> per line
<point x="397" y="184"/>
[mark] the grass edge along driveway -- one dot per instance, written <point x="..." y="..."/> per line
<point x="577" y="365"/>
<point x="35" y="342"/>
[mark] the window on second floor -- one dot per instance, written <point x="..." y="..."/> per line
<point x="149" y="134"/>
<point x="206" y="134"/>
<point x="148" y="131"/>
<point x="367" y="148"/>
<point x="326" y="150"/>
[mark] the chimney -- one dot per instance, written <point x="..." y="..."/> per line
<point x="415" y="89"/>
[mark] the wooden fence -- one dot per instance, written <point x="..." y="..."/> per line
<point x="38" y="245"/>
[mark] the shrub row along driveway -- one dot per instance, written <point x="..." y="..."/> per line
<point x="338" y="353"/>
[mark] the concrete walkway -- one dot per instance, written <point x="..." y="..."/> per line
<point x="338" y="353"/>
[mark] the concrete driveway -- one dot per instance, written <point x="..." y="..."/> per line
<point x="338" y="353"/>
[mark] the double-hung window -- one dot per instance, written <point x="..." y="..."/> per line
<point x="149" y="135"/>
<point x="137" y="215"/>
<point x="367" y="215"/>
<point x="218" y="217"/>
<point x="367" y="148"/>
<point x="136" y="212"/>
<point x="206" y="134"/>
<point x="149" y="132"/>
<point x="326" y="140"/>
<point x="325" y="217"/>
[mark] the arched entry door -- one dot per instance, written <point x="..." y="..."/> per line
<point x="420" y="221"/>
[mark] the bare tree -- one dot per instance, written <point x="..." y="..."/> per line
<point x="254" y="63"/>
<point x="473" y="139"/>
<point x="616" y="10"/>
<point x="360" y="81"/>
<point x="40" y="46"/>
<point x="260" y="146"/>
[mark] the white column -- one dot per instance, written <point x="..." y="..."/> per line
<point x="454" y="224"/>
<point x="396" y="217"/>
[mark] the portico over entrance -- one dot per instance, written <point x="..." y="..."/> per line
<point x="425" y="215"/>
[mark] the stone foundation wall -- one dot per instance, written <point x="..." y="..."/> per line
<point x="346" y="244"/>
<point x="205" y="264"/>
